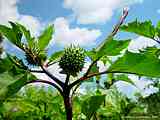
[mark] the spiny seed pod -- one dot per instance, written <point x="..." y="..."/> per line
<point x="72" y="60"/>
<point x="34" y="56"/>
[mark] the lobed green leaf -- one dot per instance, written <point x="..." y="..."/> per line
<point x="144" y="64"/>
<point x="45" y="37"/>
<point x="145" y="29"/>
<point x="91" y="105"/>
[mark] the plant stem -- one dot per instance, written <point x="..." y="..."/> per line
<point x="60" y="83"/>
<point x="96" y="74"/>
<point x="67" y="79"/>
<point x="37" y="71"/>
<point x="68" y="105"/>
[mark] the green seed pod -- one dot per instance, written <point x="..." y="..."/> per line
<point x="72" y="60"/>
<point x="34" y="57"/>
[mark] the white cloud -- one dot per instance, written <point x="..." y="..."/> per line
<point x="64" y="35"/>
<point x="9" y="12"/>
<point x="158" y="11"/>
<point x="32" y="23"/>
<point x="143" y="85"/>
<point x="101" y="66"/>
<point x="140" y="43"/>
<point x="127" y="89"/>
<point x="54" y="69"/>
<point x="96" y="11"/>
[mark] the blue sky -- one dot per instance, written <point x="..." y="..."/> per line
<point x="47" y="11"/>
<point x="86" y="22"/>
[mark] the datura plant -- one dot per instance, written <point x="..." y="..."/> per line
<point x="19" y="70"/>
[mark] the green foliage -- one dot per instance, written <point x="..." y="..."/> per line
<point x="1" y="38"/>
<point x="45" y="37"/>
<point x="143" y="64"/>
<point x="145" y="29"/>
<point x="16" y="86"/>
<point x="34" y="103"/>
<point x="152" y="103"/>
<point x="27" y="34"/>
<point x="19" y="62"/>
<point x="94" y="69"/>
<point x="36" y="53"/>
<point x="5" y="64"/>
<point x="116" y="106"/>
<point x="12" y="78"/>
<point x="111" y="47"/>
<point x="13" y="83"/>
<point x="13" y="34"/>
<point x="91" y="105"/>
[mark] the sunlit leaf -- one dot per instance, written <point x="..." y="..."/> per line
<point x="143" y="64"/>
<point x="91" y="54"/>
<point x="145" y="29"/>
<point x="112" y="47"/>
<point x="27" y="34"/>
<point x="45" y="37"/>
<point x="12" y="34"/>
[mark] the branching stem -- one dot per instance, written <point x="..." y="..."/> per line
<point x="36" y="71"/>
<point x="67" y="80"/>
<point x="59" y="82"/>
<point x="96" y="74"/>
